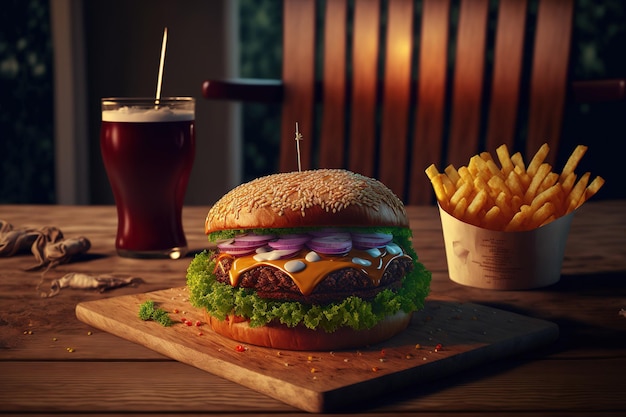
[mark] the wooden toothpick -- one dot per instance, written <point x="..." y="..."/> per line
<point x="298" y="139"/>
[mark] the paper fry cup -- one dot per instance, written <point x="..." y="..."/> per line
<point x="497" y="260"/>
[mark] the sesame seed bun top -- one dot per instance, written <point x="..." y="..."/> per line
<point x="315" y="198"/>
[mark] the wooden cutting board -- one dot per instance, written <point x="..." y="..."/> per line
<point x="446" y="337"/>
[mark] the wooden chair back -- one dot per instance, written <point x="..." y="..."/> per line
<point x="401" y="86"/>
<point x="388" y="87"/>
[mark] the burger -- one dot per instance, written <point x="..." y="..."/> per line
<point x="312" y="260"/>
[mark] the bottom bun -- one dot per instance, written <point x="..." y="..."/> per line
<point x="280" y="336"/>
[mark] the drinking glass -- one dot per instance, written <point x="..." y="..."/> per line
<point x="148" y="148"/>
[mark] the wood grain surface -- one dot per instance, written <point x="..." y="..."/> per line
<point x="445" y="338"/>
<point x="581" y="373"/>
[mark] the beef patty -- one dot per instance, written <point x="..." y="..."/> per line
<point x="272" y="283"/>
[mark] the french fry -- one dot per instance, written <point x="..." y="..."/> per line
<point x="493" y="168"/>
<point x="463" y="191"/>
<point x="571" y="202"/>
<point x="476" y="165"/>
<point x="466" y="175"/>
<point x="479" y="201"/>
<point x="505" y="205"/>
<point x="593" y="188"/>
<point x="515" y="184"/>
<point x="513" y="196"/>
<point x="492" y="218"/>
<point x="440" y="192"/>
<point x="548" y="182"/>
<point x="485" y="156"/>
<point x="517" y="222"/>
<point x="590" y="190"/>
<point x="432" y="171"/>
<point x="459" y="208"/>
<point x="537" y="179"/>
<point x="480" y="183"/>
<point x="448" y="186"/>
<point x="490" y="163"/>
<point x="568" y="183"/>
<point x="452" y="173"/>
<point x="517" y="202"/>
<point x="540" y="215"/>
<point x="499" y="185"/>
<point x="518" y="161"/>
<point x="520" y="169"/>
<point x="524" y="178"/>
<point x="538" y="159"/>
<point x="436" y="181"/>
<point x="479" y="166"/>
<point x="505" y="159"/>
<point x="573" y="160"/>
<point x="551" y="194"/>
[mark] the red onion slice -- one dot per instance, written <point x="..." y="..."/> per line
<point x="239" y="245"/>
<point x="330" y="245"/>
<point x="236" y="251"/>
<point x="289" y="242"/>
<point x="252" y="238"/>
<point x="242" y="245"/>
<point x="327" y="232"/>
<point x="371" y="240"/>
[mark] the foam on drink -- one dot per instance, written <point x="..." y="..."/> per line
<point x="145" y="115"/>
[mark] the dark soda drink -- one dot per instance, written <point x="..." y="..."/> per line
<point x="148" y="153"/>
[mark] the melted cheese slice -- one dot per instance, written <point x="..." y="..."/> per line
<point x="372" y="263"/>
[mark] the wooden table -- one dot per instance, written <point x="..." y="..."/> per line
<point x="582" y="373"/>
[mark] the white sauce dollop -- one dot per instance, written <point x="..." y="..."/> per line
<point x="312" y="257"/>
<point x="361" y="261"/>
<point x="394" y="249"/>
<point x="294" y="266"/>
